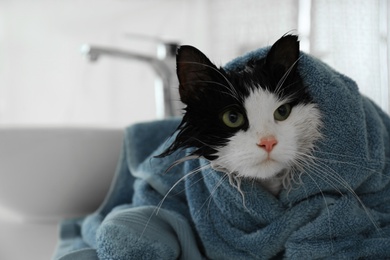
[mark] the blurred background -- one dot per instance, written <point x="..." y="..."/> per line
<point x="46" y="82"/>
<point x="44" y="79"/>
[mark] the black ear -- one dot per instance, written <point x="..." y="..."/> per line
<point x="194" y="71"/>
<point x="282" y="58"/>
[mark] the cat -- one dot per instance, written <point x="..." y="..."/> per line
<point x="259" y="123"/>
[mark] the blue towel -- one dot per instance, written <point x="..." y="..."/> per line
<point x="340" y="209"/>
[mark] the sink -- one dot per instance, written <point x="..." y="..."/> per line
<point x="51" y="173"/>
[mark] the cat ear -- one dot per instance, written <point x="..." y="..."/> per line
<point x="194" y="71"/>
<point x="282" y="58"/>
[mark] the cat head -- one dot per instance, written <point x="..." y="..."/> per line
<point x="255" y="122"/>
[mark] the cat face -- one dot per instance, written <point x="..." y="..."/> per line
<point x="257" y="123"/>
<point x="276" y="139"/>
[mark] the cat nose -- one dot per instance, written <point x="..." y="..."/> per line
<point x="267" y="143"/>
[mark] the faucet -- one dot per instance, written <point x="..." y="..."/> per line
<point x="164" y="65"/>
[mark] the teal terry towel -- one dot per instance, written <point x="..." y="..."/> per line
<point x="339" y="210"/>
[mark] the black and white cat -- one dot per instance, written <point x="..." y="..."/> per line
<point x="259" y="123"/>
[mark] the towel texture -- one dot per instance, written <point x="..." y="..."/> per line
<point x="340" y="209"/>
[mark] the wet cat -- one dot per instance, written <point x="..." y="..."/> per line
<point x="259" y="123"/>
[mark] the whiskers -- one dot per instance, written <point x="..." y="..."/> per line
<point x="283" y="79"/>
<point x="234" y="179"/>
<point x="188" y="175"/>
<point x="180" y="161"/>
<point x="323" y="171"/>
<point x="236" y="182"/>
<point x="313" y="172"/>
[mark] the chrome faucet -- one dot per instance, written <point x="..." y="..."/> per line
<point x="164" y="64"/>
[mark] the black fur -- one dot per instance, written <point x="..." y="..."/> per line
<point x="207" y="92"/>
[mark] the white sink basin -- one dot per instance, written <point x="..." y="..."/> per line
<point x="50" y="173"/>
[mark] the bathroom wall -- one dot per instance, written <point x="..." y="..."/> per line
<point x="45" y="80"/>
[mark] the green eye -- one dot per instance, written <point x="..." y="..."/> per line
<point x="232" y="118"/>
<point x="282" y="112"/>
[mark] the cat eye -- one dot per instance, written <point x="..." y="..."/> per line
<point x="282" y="112"/>
<point x="233" y="118"/>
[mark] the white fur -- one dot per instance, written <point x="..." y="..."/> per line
<point x="295" y="135"/>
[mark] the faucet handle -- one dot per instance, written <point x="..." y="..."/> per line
<point x="167" y="50"/>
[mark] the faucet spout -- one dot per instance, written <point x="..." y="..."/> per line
<point x="93" y="53"/>
<point x="163" y="65"/>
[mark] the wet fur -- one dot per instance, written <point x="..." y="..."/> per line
<point x="257" y="91"/>
<point x="262" y="85"/>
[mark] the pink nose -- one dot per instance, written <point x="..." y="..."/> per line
<point x="267" y="143"/>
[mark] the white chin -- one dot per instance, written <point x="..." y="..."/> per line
<point x="261" y="171"/>
<point x="266" y="170"/>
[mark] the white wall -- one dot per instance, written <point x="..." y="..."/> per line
<point x="44" y="79"/>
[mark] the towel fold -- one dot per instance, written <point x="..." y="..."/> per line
<point x="339" y="209"/>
